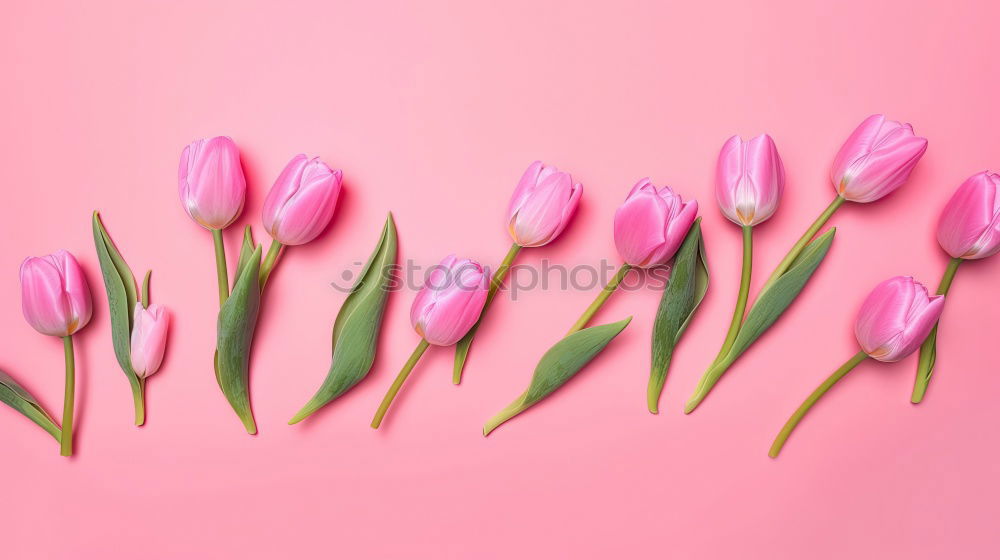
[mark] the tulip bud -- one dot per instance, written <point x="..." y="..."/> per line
<point x="212" y="186"/>
<point x="876" y="159"/>
<point x="149" y="338"/>
<point x="55" y="297"/>
<point x="651" y="225"/>
<point x="896" y="318"/>
<point x="749" y="179"/>
<point x="543" y="203"/>
<point x="450" y="301"/>
<point x="301" y="202"/>
<point x="970" y="223"/>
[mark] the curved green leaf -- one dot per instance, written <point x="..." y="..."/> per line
<point x="770" y="304"/>
<point x="18" y="398"/>
<point x="558" y="366"/>
<point x="122" y="298"/>
<point x="681" y="297"/>
<point x="356" y="329"/>
<point x="246" y="251"/>
<point x="237" y="321"/>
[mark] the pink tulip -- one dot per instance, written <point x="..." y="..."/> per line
<point x="55" y="297"/>
<point x="450" y="301"/>
<point x="302" y="200"/>
<point x="651" y="225"/>
<point x="543" y="203"/>
<point x="149" y="338"/>
<point x="896" y="318"/>
<point x="749" y="179"/>
<point x="970" y="223"/>
<point x="211" y="182"/>
<point x="876" y="160"/>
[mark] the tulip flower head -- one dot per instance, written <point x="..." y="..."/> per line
<point x="301" y="203"/>
<point x="542" y="204"/>
<point x="55" y="297"/>
<point x="149" y="338"/>
<point x="970" y="223"/>
<point x="876" y="159"/>
<point x="896" y="318"/>
<point x="651" y="225"/>
<point x="749" y="179"/>
<point x="450" y="302"/>
<point x="211" y="182"/>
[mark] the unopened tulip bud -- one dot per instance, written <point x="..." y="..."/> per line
<point x="651" y="225"/>
<point x="55" y="297"/>
<point x="543" y="203"/>
<point x="895" y="318"/>
<point x="970" y="223"/>
<point x="876" y="159"/>
<point x="749" y="179"/>
<point x="211" y="182"/>
<point x="301" y="203"/>
<point x="450" y="301"/>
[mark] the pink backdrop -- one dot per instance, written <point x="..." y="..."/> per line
<point x="433" y="109"/>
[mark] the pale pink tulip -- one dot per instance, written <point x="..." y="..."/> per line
<point x="450" y="301"/>
<point x="970" y="223"/>
<point x="211" y="182"/>
<point x="876" y="159"/>
<point x="149" y="338"/>
<point x="55" y="297"/>
<point x="749" y="179"/>
<point x="301" y="203"/>
<point x="651" y="225"/>
<point x="895" y="318"/>
<point x="543" y="203"/>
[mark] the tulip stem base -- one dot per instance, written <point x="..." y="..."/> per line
<point x="600" y="299"/>
<point x="786" y="431"/>
<point x="269" y="261"/>
<point x="462" y="349"/>
<point x="69" y="397"/>
<point x="928" y="350"/>
<point x="398" y="382"/>
<point x="802" y="242"/>
<point x="220" y="266"/>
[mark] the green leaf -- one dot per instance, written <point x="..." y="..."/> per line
<point x="18" y="398"/>
<point x="246" y="250"/>
<point x="122" y="298"/>
<point x="770" y="304"/>
<point x="237" y="321"/>
<point x="558" y="366"/>
<point x="356" y="329"/>
<point x="681" y="297"/>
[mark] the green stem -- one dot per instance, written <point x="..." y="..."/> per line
<point x="269" y="261"/>
<point x="220" y="266"/>
<point x="139" y="400"/>
<point x="601" y="298"/>
<point x="809" y="402"/>
<point x="462" y="349"/>
<point x="928" y="350"/>
<point x="802" y="242"/>
<point x="66" y="439"/>
<point x="742" y="296"/>
<point x="512" y="410"/>
<point x="398" y="383"/>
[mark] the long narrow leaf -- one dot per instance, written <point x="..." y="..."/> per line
<point x="769" y="306"/>
<point x="18" y="398"/>
<point x="356" y="329"/>
<point x="119" y="283"/>
<point x="237" y="321"/>
<point x="559" y="365"/>
<point x="681" y="297"/>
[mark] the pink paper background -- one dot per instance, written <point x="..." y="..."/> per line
<point x="433" y="109"/>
